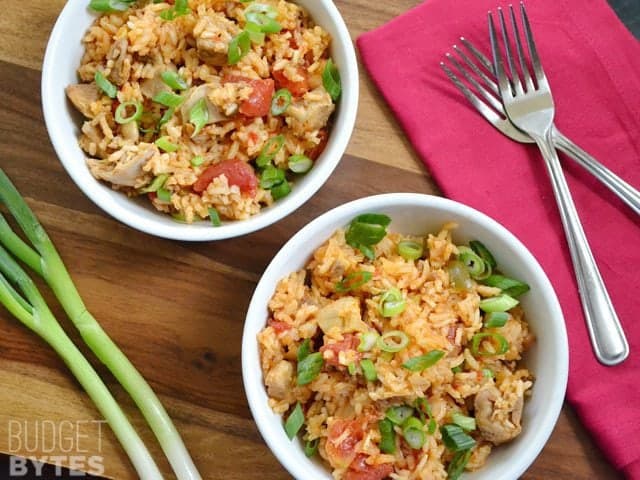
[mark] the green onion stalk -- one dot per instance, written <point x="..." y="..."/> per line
<point x="46" y="261"/>
<point x="28" y="306"/>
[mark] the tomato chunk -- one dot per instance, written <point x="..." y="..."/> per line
<point x="279" y="326"/>
<point x="318" y="149"/>
<point x="350" y="342"/>
<point x="298" y="88"/>
<point x="259" y="102"/>
<point x="237" y="172"/>
<point x="370" y="472"/>
<point x="342" y="438"/>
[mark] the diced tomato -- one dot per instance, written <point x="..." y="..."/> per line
<point x="259" y="102"/>
<point x="279" y="326"/>
<point x="318" y="149"/>
<point x="152" y="196"/>
<point x="350" y="342"/>
<point x="342" y="438"/>
<point x="370" y="472"/>
<point x="237" y="172"/>
<point x="298" y="88"/>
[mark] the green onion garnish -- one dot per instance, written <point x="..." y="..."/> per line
<point x="353" y="281"/>
<point x="157" y="183"/>
<point x="264" y="16"/>
<point x="424" y="407"/>
<point x="173" y="80"/>
<point x="374" y="219"/>
<point x="368" y="341"/>
<point x="165" y="144"/>
<point x="392" y="303"/>
<point x="369" y="370"/>
<point x="304" y="350"/>
<point x="294" y="422"/>
<point x="477" y="268"/>
<point x="488" y="373"/>
<point x="422" y="362"/>
<point x="238" y="47"/>
<point x="164" y="195"/>
<point x="513" y="288"/>
<point x="457" y="369"/>
<point x="496" y="319"/>
<point x="300" y="163"/>
<point x="464" y="422"/>
<point x="255" y="33"/>
<point x="180" y="8"/>
<point x="280" y="191"/>
<point x="105" y="85"/>
<point x="352" y="369"/>
<point x="501" y="346"/>
<point x="367" y="230"/>
<point x="501" y="303"/>
<point x="121" y="112"/>
<point x="214" y="216"/>
<point x="199" y="116"/>
<point x="398" y="414"/>
<point x="410" y="250"/>
<point x="281" y="101"/>
<point x="309" y="368"/>
<point x="458" y="463"/>
<point x="393" y="341"/>
<point x="331" y="80"/>
<point x="197" y="161"/>
<point x="413" y="433"/>
<point x="271" y="177"/>
<point x="108" y="6"/>
<point x="311" y="447"/>
<point x="387" y="436"/>
<point x="455" y="439"/>
<point x="483" y="252"/>
<point x="270" y="150"/>
<point x="166" y="116"/>
<point x="168" y="99"/>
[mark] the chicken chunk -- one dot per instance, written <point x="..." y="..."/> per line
<point x="497" y="424"/>
<point x="124" y="167"/>
<point x="279" y="380"/>
<point x="82" y="96"/>
<point x="213" y="34"/>
<point x="340" y="317"/>
<point x="311" y="112"/>
<point x="121" y="67"/>
<point x="194" y="95"/>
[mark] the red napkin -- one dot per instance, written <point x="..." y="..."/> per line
<point x="593" y="66"/>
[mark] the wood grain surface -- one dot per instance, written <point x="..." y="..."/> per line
<point x="177" y="309"/>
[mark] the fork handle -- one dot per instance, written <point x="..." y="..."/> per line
<point x="622" y="189"/>
<point x="607" y="337"/>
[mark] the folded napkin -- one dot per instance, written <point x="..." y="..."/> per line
<point x="593" y="66"/>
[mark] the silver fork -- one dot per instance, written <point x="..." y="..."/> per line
<point x="490" y="107"/>
<point x="530" y="108"/>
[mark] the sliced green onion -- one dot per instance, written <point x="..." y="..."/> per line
<point x="422" y="362"/>
<point x="413" y="433"/>
<point x="455" y="439"/>
<point x="178" y="217"/>
<point x="121" y="112"/>
<point x="392" y="303"/>
<point x="352" y="369"/>
<point x="281" y="101"/>
<point x="264" y="16"/>
<point x="280" y="191"/>
<point x="488" y="373"/>
<point x="294" y="422"/>
<point x="477" y="268"/>
<point x="399" y="414"/>
<point x="164" y="195"/>
<point x="410" y="250"/>
<point x="165" y="144"/>
<point x="239" y="46"/>
<point x="457" y="369"/>
<point x="166" y="116"/>
<point x="168" y="99"/>
<point x="423" y="406"/>
<point x="214" y="216"/>
<point x="157" y="183"/>
<point x="464" y="422"/>
<point x="311" y="447"/>
<point x="255" y="33"/>
<point x="331" y="80"/>
<point x="501" y="303"/>
<point x="268" y="10"/>
<point x="271" y="177"/>
<point x="366" y="251"/>
<point x="483" y="252"/>
<point x="197" y="161"/>
<point x="498" y="341"/>
<point x="270" y="150"/>
<point x="368" y="341"/>
<point x="513" y="288"/>
<point x="369" y="370"/>
<point x="174" y="80"/>
<point x="387" y="436"/>
<point x="374" y="219"/>
<point x="393" y="341"/>
<point x="105" y="85"/>
<point x="304" y="350"/>
<point x="353" y="281"/>
<point x="365" y="234"/>
<point x="458" y="464"/>
<point x="180" y="8"/>
<point x="199" y="116"/>
<point x="300" y="163"/>
<point x="108" y="6"/>
<point x="309" y="368"/>
<point x="496" y="319"/>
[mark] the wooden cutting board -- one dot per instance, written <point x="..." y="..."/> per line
<point x="177" y="309"/>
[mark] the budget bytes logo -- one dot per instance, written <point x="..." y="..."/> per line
<point x="37" y="446"/>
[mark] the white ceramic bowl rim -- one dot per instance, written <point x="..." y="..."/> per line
<point x="128" y="212"/>
<point x="292" y="458"/>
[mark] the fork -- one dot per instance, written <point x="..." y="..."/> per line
<point x="491" y="109"/>
<point x="530" y="108"/>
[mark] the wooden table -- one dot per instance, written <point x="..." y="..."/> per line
<point x="177" y="309"/>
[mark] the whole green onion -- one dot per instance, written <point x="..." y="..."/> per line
<point x="369" y="370"/>
<point x="501" y="303"/>
<point x="309" y="368"/>
<point x="239" y="46"/>
<point x="387" y="436"/>
<point x="270" y="150"/>
<point x="331" y="80"/>
<point x="157" y="183"/>
<point x="121" y="112"/>
<point x="271" y="176"/>
<point x="393" y="341"/>
<point x="168" y="99"/>
<point x="164" y="143"/>
<point x="294" y="422"/>
<point x="413" y="433"/>
<point x="498" y="341"/>
<point x="300" y="163"/>
<point x="392" y="303"/>
<point x="214" y="216"/>
<point x="353" y="281"/>
<point x="199" y="116"/>
<point x="513" y="288"/>
<point x="368" y="341"/>
<point x="174" y="80"/>
<point x="280" y="191"/>
<point x="281" y="101"/>
<point x="410" y="250"/>
<point x="455" y="439"/>
<point x="464" y="422"/>
<point x="496" y="319"/>
<point x="311" y="447"/>
<point x="422" y="362"/>
<point x="105" y="85"/>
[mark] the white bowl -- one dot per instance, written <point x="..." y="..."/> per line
<point x="61" y="62"/>
<point x="418" y="214"/>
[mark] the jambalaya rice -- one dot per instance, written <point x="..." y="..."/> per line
<point x="156" y="149"/>
<point x="334" y="309"/>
